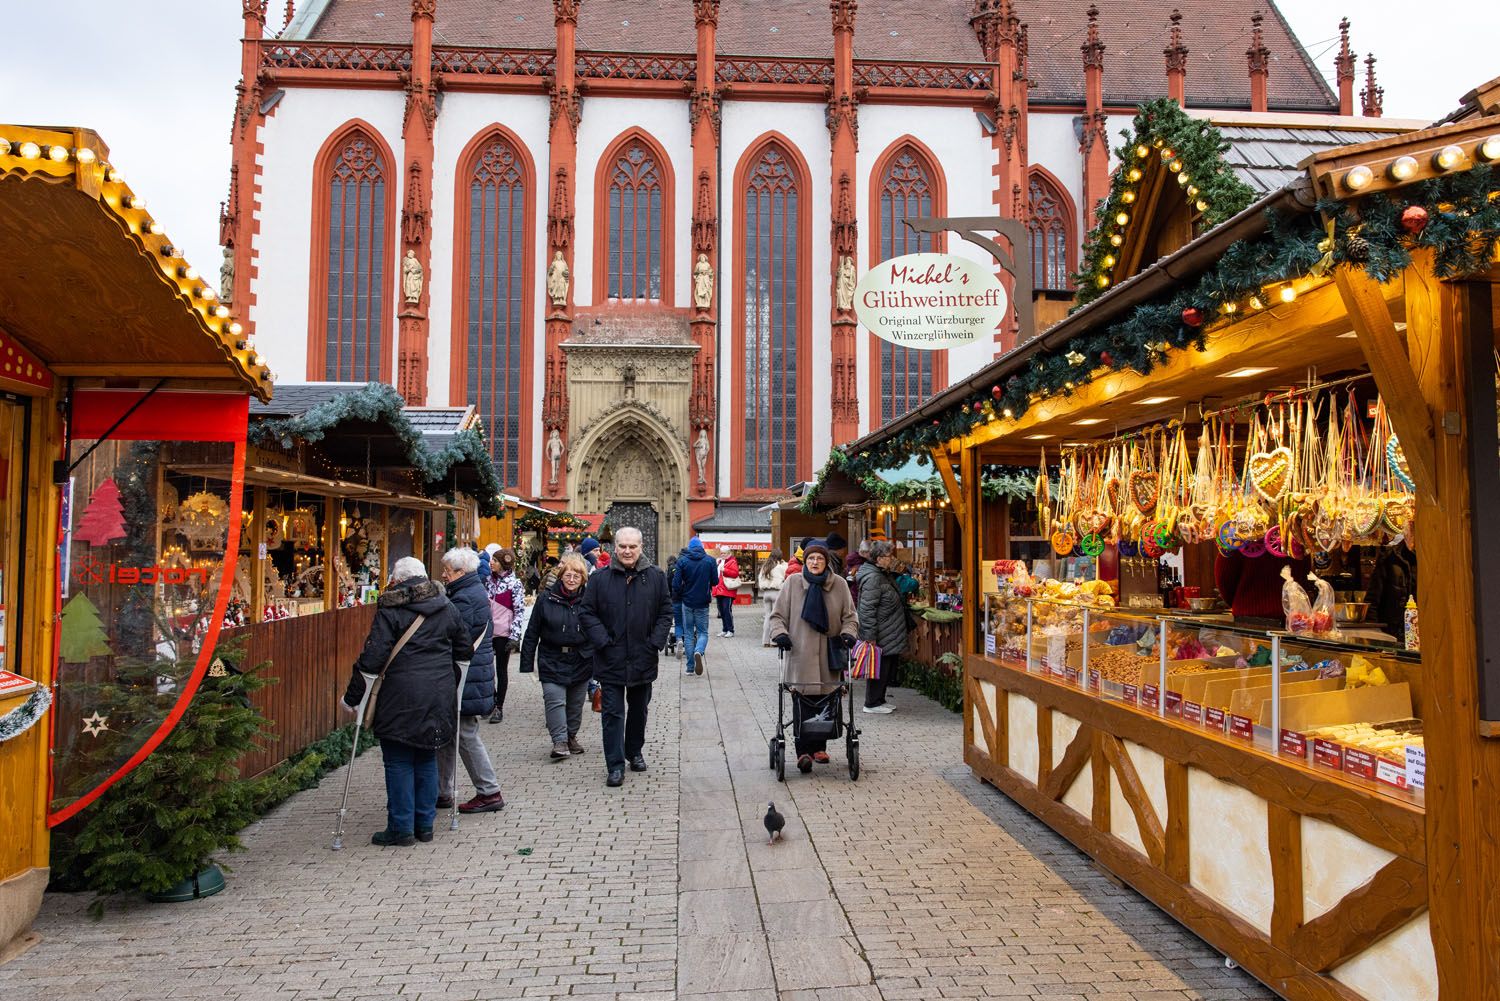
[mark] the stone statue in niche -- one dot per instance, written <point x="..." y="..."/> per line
<point x="411" y="277"/>
<point x="554" y="454"/>
<point x="844" y="287"/>
<point x="703" y="283"/>
<point x="629" y="376"/>
<point x="700" y="454"/>
<point x="226" y="276"/>
<point x="558" y="276"/>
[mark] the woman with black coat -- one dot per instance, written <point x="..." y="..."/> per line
<point x="414" y="715"/>
<point x="882" y="620"/>
<point x="468" y="594"/>
<point x="555" y="645"/>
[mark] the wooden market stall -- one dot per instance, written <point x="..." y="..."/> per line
<point x="346" y="470"/>
<point x="113" y="354"/>
<point x="1335" y="832"/>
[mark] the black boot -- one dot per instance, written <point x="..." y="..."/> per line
<point x="616" y="777"/>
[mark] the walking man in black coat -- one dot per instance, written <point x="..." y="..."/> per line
<point x="627" y="614"/>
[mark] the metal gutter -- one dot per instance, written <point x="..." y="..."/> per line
<point x="1185" y="263"/>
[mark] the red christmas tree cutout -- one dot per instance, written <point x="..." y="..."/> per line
<point x="104" y="519"/>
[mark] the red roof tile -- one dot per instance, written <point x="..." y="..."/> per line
<point x="892" y="30"/>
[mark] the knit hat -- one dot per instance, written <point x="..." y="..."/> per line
<point x="507" y="557"/>
<point x="836" y="541"/>
<point x="492" y="548"/>
<point x="816" y="546"/>
<point x="695" y="545"/>
<point x="588" y="546"/>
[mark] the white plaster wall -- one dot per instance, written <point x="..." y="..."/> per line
<point x="292" y="137"/>
<point x="1122" y="822"/>
<point x="987" y="691"/>
<point x="604" y="119"/>
<point x="966" y="158"/>
<point x="464" y="116"/>
<point x="1080" y="795"/>
<point x="1151" y="769"/>
<point x="1052" y="142"/>
<point x="1021" y="731"/>
<point x="1228" y="854"/>
<point x="1334" y="862"/>
<point x="1400" y="967"/>
<point x="743" y="122"/>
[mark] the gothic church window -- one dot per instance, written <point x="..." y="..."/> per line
<point x="907" y="188"/>
<point x="1050" y="221"/>
<point x="636" y="201"/>
<point x="352" y="294"/>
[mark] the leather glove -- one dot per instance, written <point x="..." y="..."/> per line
<point x="849" y="641"/>
<point x="783" y="641"/>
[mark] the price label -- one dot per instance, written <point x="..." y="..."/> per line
<point x="1416" y="767"/>
<point x="1214" y="719"/>
<point x="1192" y="712"/>
<point x="1390" y="772"/>
<point x="989" y="644"/>
<point x="1328" y="754"/>
<point x="1094" y="680"/>
<point x="1074" y="677"/>
<point x="1242" y="727"/>
<point x="1294" y="744"/>
<point x="1055" y="669"/>
<point x="1152" y="696"/>
<point x="1132" y="694"/>
<point x="1174" y="703"/>
<point x="1359" y="763"/>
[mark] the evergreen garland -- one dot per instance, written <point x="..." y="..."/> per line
<point x="1160" y="128"/>
<point x="380" y="403"/>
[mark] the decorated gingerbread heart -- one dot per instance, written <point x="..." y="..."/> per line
<point x="1143" y="490"/>
<point x="1271" y="473"/>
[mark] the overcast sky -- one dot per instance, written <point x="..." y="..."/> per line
<point x="156" y="80"/>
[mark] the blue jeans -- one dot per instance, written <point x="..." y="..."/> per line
<point x="411" y="782"/>
<point x="677" y="626"/>
<point x="726" y="611"/>
<point x="695" y="632"/>
<point x="623" y="722"/>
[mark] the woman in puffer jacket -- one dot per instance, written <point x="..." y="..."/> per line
<point x="882" y="620"/>
<point x="556" y="646"/>
<point x="507" y="599"/>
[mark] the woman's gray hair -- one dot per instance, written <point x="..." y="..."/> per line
<point x="864" y="547"/>
<point x="406" y="568"/>
<point x="461" y="558"/>
<point x="881" y="548"/>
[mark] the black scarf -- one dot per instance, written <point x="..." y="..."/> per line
<point x="814" y="610"/>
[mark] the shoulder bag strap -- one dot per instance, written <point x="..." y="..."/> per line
<point x="411" y="631"/>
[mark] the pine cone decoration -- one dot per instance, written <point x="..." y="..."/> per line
<point x="1357" y="248"/>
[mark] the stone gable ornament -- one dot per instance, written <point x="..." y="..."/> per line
<point x="844" y="288"/>
<point x="700" y="454"/>
<point x="411" y="277"/>
<point x="554" y="454"/>
<point x="557" y="280"/>
<point x="703" y="282"/>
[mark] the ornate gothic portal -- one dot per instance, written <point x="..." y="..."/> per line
<point x="629" y="384"/>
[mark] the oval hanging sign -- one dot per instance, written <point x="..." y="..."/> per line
<point x="930" y="301"/>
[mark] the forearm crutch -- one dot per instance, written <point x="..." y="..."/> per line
<point x="359" y="718"/>
<point x="463" y="676"/>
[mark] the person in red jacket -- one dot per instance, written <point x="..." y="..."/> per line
<point x="1251" y="586"/>
<point x="729" y="570"/>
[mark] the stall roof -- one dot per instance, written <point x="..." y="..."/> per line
<point x="1267" y="148"/>
<point x="732" y="517"/>
<point x="88" y="281"/>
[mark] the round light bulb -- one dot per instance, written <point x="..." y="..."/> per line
<point x="1142" y="152"/>
<point x="154" y="228"/>
<point x="1115" y="239"/>
<point x="1488" y="150"/>
<point x="1103" y="281"/>
<point x="1109" y="260"/>
<point x="256" y="360"/>
<point x="1192" y="190"/>
<point x="1009" y="412"/>
<point x="235" y="329"/>
<point x="1167" y="153"/>
<point x="1359" y="178"/>
<point x="1229" y="309"/>
<point x="1128" y="197"/>
<point x="30" y="151"/>
<point x="1175" y="166"/>
<point x="133" y="201"/>
<point x="209" y="294"/>
<point x="1403" y="168"/>
<point x="1134" y="173"/>
<point x="1448" y="157"/>
<point x="187" y="272"/>
<point x="221" y="311"/>
<point x="1288" y="293"/>
<point x="113" y="174"/>
<point x="1201" y="205"/>
<point x="1122" y="219"/>
<point x="1182" y="180"/>
<point x="85" y="155"/>
<point x="1255" y="302"/>
<point x="4" y="147"/>
<point x="57" y="154"/>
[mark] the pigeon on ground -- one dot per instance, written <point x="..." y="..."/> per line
<point x="774" y="823"/>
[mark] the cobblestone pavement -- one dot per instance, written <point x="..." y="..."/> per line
<point x="915" y="882"/>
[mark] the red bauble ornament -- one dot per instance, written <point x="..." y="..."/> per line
<point x="996" y="391"/>
<point x="1107" y="358"/>
<point x="1414" y="219"/>
<point x="1192" y="317"/>
<point x="936" y="423"/>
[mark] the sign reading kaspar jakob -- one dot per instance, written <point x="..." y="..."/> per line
<point x="930" y="301"/>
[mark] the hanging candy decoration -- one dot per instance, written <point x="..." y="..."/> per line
<point x="1150" y="547"/>
<point x="1253" y="548"/>
<point x="1273" y="542"/>
<point x="1397" y="460"/>
<point x="1062" y="542"/>
<point x="1229" y="541"/>
<point x="1091" y="544"/>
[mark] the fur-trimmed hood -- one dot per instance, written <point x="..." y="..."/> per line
<point x="414" y="591"/>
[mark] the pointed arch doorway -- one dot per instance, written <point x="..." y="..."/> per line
<point x="633" y="468"/>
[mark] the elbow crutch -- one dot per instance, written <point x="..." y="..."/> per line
<point x="463" y="677"/>
<point x="359" y="718"/>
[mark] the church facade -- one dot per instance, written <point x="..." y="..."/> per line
<point x="617" y="229"/>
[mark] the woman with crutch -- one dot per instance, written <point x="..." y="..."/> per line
<point x="420" y="645"/>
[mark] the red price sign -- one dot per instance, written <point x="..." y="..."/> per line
<point x="1132" y="694"/>
<point x="1328" y="754"/>
<point x="1192" y="712"/>
<point x="1174" y="703"/>
<point x="1242" y="727"/>
<point x="1213" y="718"/>
<point x="1359" y="763"/>
<point x="1094" y="680"/>
<point x="1294" y="744"/>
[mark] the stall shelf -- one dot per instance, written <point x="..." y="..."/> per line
<point x="1322" y="880"/>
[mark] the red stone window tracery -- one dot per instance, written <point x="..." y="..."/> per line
<point x="356" y="299"/>
<point x="495" y="306"/>
<point x="907" y="376"/>
<point x="771" y="312"/>
<point x="637" y="193"/>
<point x="1051" y="224"/>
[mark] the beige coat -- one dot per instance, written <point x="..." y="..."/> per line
<point x="807" y="663"/>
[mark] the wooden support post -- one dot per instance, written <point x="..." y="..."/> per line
<point x="257" y="553"/>
<point x="973" y="551"/>
<point x="1381" y="343"/>
<point x="944" y="466"/>
<point x="331" y="508"/>
<point x="1284" y="838"/>
<point x="385" y="547"/>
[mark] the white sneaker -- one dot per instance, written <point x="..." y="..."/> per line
<point x="884" y="709"/>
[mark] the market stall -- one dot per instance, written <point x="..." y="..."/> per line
<point x="1304" y="380"/>
<point x="102" y="647"/>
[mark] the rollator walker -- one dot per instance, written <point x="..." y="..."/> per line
<point x="825" y="719"/>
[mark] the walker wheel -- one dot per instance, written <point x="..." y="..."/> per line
<point x="781" y="767"/>
<point x="774" y="743"/>
<point x="853" y="760"/>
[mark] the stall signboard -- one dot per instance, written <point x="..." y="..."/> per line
<point x="930" y="301"/>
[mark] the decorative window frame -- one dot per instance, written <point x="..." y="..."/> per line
<point x="939" y="182"/>
<point x="322" y="184"/>
<point x="742" y="169"/>
<point x="1069" y="211"/>
<point x="602" y="172"/>
<point x="458" y="369"/>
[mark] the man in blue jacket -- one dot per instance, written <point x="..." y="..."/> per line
<point x="627" y="615"/>
<point x="697" y="572"/>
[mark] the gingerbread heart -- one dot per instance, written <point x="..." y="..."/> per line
<point x="1361" y="518"/>
<point x="1143" y="490"/>
<point x="1112" y="488"/>
<point x="1396" y="511"/>
<point x="1271" y="473"/>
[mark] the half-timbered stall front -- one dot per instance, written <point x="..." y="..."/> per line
<point x="1305" y="773"/>
<point x="116" y="360"/>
